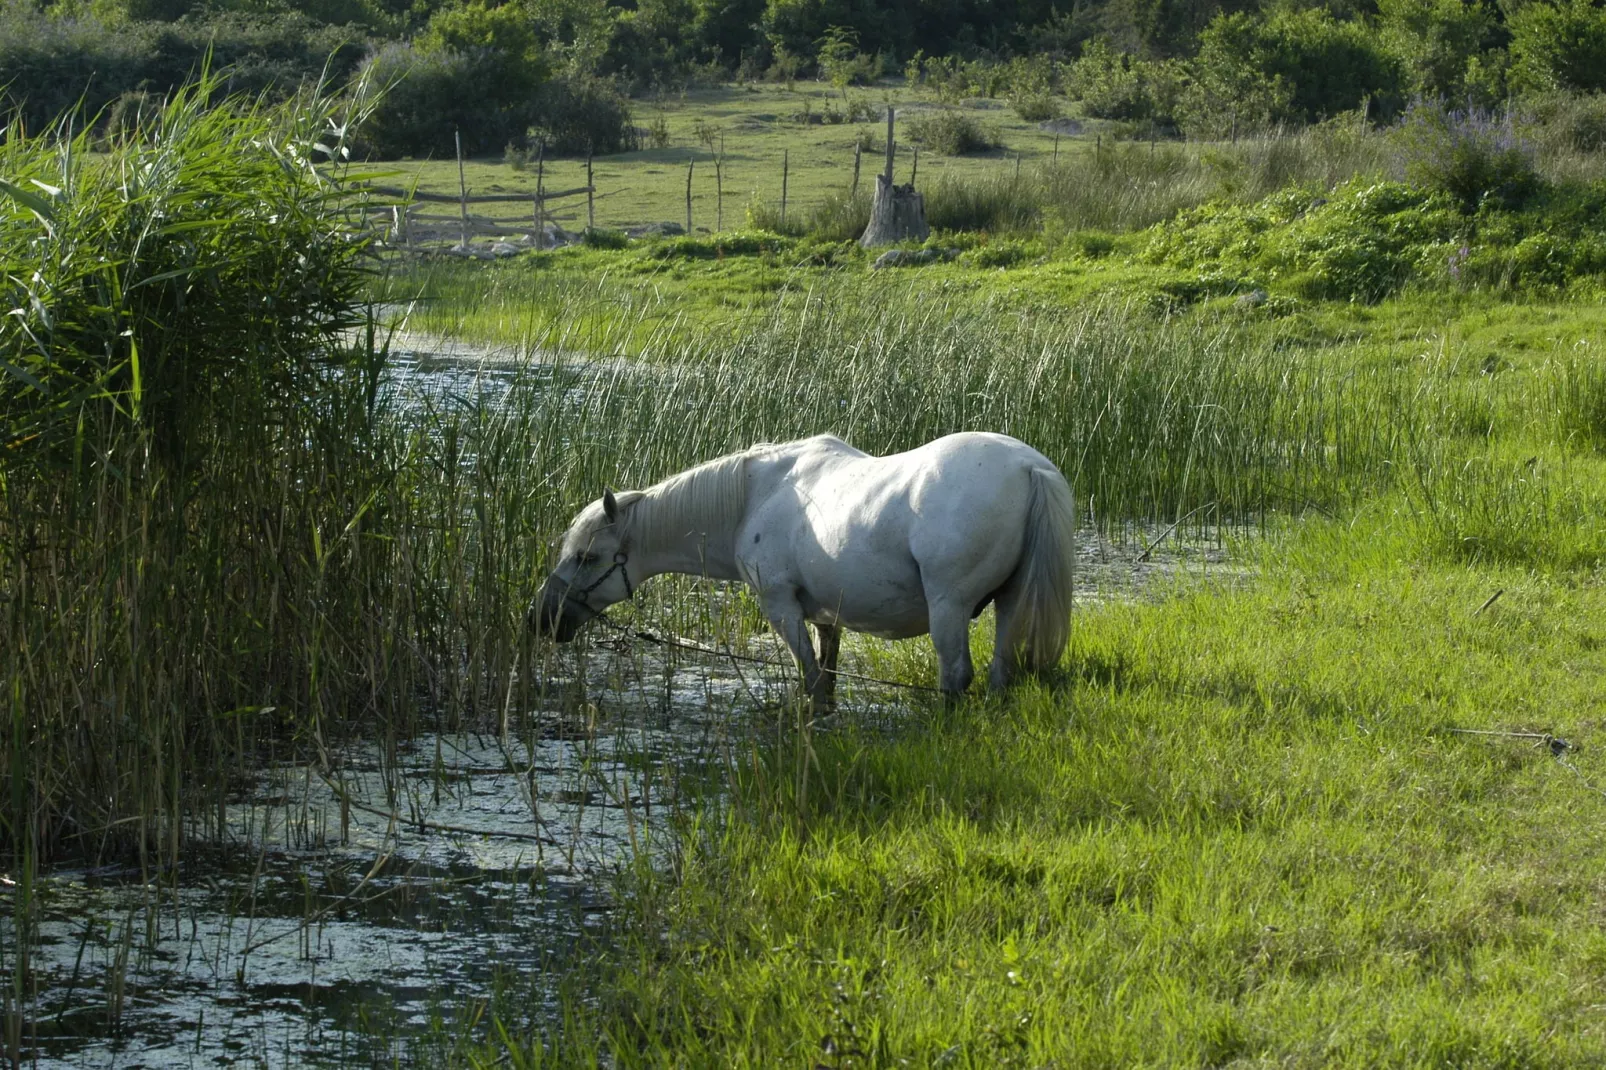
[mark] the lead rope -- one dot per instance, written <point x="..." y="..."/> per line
<point x="680" y="644"/>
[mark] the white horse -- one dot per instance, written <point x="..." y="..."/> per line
<point x="894" y="546"/>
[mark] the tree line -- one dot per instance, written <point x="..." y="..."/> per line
<point x="560" y="70"/>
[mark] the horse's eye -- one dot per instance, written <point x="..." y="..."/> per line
<point x="587" y="558"/>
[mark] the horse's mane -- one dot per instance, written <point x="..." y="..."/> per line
<point x="709" y="499"/>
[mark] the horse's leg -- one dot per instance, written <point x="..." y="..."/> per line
<point x="830" y="645"/>
<point x="785" y="614"/>
<point x="950" y="634"/>
<point x="1006" y="654"/>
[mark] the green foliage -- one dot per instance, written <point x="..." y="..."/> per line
<point x="1559" y="46"/>
<point x="49" y="66"/>
<point x="1475" y="157"/>
<point x="602" y="238"/>
<point x="951" y="132"/>
<point x="998" y="204"/>
<point x="428" y="98"/>
<point x="1363" y="244"/>
<point x="732" y="243"/>
<point x="1371" y="239"/>
<point x="184" y="413"/>
<point x="1566" y="121"/>
<point x="1294" y="67"/>
<point x="842" y="63"/>
<point x="577" y="113"/>
<point x="1436" y="40"/>
<point x="1116" y="85"/>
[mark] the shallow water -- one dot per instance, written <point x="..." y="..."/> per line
<point x="376" y="911"/>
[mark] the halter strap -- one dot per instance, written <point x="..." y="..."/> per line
<point x="584" y="595"/>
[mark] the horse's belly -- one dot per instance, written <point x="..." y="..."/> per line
<point x="886" y="610"/>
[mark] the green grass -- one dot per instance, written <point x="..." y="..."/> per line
<point x="1237" y="832"/>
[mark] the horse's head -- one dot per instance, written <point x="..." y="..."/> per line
<point x="591" y="573"/>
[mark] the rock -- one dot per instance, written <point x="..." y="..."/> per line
<point x="1063" y="127"/>
<point x="504" y="249"/>
<point x="656" y="230"/>
<point x="904" y="258"/>
<point x="1252" y="299"/>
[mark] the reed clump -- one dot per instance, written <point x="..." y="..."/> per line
<point x="192" y="483"/>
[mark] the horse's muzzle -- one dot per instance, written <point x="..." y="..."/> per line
<point x="557" y="616"/>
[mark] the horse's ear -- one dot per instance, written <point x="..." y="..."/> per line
<point x="610" y="505"/>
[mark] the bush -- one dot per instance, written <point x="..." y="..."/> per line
<point x="952" y="133"/>
<point x="1437" y="39"/>
<point x="1114" y="85"/>
<point x="1559" y="46"/>
<point x="1567" y="121"/>
<point x="426" y="98"/>
<point x="1036" y="107"/>
<point x="580" y="113"/>
<point x="1473" y="156"/>
<point x="50" y="65"/>
<point x="1295" y="66"/>
<point x="602" y="238"/>
<point x="1366" y="242"/>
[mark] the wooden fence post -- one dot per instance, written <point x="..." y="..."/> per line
<point x="1056" y="150"/>
<point x="914" y="171"/>
<point x="689" y="165"/>
<point x="719" y="186"/>
<point x="540" y="195"/>
<point x="462" y="184"/>
<point x="786" y="167"/>
<point x="858" y="149"/>
<point x="591" y="200"/>
<point x="889" y="146"/>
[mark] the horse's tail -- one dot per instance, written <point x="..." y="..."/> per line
<point x="1043" y="617"/>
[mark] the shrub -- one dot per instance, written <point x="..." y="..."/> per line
<point x="1295" y="66"/>
<point x="1473" y="156"/>
<point x="1366" y="242"/>
<point x="50" y="65"/>
<point x="1559" y="46"/>
<point x="426" y="98"/>
<point x="1002" y="254"/>
<point x="1113" y="85"/>
<point x="841" y="62"/>
<point x="1567" y="121"/>
<point x="840" y="217"/>
<point x="1036" y="107"/>
<point x="1437" y="39"/>
<point x="602" y="238"/>
<point x="952" y="133"/>
<point x="734" y="243"/>
<point x="580" y="113"/>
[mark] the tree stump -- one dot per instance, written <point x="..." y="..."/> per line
<point x="897" y="214"/>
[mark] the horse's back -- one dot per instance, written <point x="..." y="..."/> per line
<point x="865" y="539"/>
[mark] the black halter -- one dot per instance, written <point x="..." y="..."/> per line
<point x="583" y="597"/>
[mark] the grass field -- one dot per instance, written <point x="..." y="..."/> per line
<point x="760" y="125"/>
